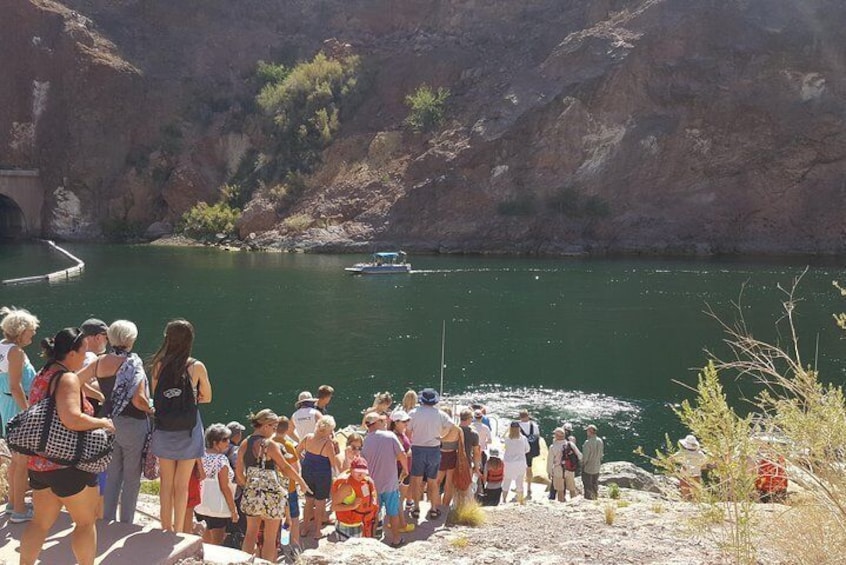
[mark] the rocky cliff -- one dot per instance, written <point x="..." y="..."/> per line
<point x="692" y="126"/>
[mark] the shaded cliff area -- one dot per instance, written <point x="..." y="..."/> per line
<point x="663" y="126"/>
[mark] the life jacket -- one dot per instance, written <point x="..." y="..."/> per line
<point x="367" y="512"/>
<point x="772" y="476"/>
<point x="495" y="472"/>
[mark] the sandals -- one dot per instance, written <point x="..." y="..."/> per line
<point x="400" y="542"/>
<point x="433" y="514"/>
<point x="415" y="513"/>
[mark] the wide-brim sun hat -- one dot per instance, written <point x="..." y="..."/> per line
<point x="429" y="397"/>
<point x="690" y="442"/>
<point x="305" y="396"/>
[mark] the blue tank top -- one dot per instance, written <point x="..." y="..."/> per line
<point x="27" y="375"/>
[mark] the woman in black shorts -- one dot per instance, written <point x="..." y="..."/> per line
<point x="54" y="485"/>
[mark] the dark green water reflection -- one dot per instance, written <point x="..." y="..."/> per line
<point x="585" y="340"/>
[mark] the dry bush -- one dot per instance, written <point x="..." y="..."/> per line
<point x="807" y="535"/>
<point x="467" y="512"/>
<point x="298" y="223"/>
<point x="610" y="511"/>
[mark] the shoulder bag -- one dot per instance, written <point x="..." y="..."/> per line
<point x="38" y="430"/>
<point x="463" y="477"/>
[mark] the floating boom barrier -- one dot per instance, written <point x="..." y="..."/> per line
<point x="64" y="274"/>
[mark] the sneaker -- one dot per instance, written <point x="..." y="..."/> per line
<point x="22" y="517"/>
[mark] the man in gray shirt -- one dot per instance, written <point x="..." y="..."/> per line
<point x="382" y="451"/>
<point x="592" y="453"/>
<point x="426" y="427"/>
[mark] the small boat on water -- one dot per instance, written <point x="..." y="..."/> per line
<point x="385" y="263"/>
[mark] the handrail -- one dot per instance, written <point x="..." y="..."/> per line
<point x="64" y="274"/>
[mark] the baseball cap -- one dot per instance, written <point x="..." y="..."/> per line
<point x="93" y="326"/>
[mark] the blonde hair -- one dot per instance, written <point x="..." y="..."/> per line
<point x="409" y="401"/>
<point x="355" y="436"/>
<point x="122" y="333"/>
<point x="263" y="417"/>
<point x="513" y="432"/>
<point x="325" y="423"/>
<point x="16" y="321"/>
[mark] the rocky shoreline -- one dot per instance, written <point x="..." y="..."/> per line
<point x="649" y="526"/>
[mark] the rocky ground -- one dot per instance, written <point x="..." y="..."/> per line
<point x="647" y="528"/>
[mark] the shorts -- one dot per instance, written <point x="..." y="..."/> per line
<point x="529" y="459"/>
<point x="391" y="502"/>
<point x="346" y="531"/>
<point x="425" y="462"/>
<point x="213" y="523"/>
<point x="193" y="491"/>
<point x="449" y="459"/>
<point x="63" y="482"/>
<point x="294" y="504"/>
<point x="101" y="482"/>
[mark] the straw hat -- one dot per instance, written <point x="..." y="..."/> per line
<point x="690" y="442"/>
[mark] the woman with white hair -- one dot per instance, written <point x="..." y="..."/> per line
<point x="123" y="382"/>
<point x="16" y="376"/>
<point x="318" y="459"/>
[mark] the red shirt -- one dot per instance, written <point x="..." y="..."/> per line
<point x="39" y="392"/>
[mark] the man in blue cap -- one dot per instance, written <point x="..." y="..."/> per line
<point x="426" y="427"/>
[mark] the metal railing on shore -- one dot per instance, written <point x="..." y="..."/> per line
<point x="55" y="276"/>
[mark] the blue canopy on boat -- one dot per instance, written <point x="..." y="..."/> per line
<point x="389" y="255"/>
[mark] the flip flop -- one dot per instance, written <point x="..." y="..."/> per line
<point x="433" y="514"/>
<point x="399" y="543"/>
<point x="415" y="513"/>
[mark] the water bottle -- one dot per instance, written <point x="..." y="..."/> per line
<point x="285" y="535"/>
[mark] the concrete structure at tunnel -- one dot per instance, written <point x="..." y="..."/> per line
<point x="21" y="203"/>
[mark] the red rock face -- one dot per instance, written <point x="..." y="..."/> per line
<point x="663" y="126"/>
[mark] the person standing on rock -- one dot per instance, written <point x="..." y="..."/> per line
<point x="382" y="451"/>
<point x="592" y="452"/>
<point x="426" y="426"/>
<point x="531" y="431"/>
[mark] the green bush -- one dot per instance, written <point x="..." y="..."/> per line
<point x="270" y="73"/>
<point x="613" y="491"/>
<point x="524" y="206"/>
<point x="204" y="221"/>
<point x="427" y="108"/>
<point x="305" y="106"/>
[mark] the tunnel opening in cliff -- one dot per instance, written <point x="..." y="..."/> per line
<point x="12" y="223"/>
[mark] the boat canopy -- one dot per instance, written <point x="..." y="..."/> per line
<point x="390" y="255"/>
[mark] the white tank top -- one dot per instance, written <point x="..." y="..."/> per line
<point x="5" y="348"/>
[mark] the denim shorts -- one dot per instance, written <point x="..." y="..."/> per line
<point x="425" y="461"/>
<point x="391" y="502"/>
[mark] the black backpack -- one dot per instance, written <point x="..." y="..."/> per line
<point x="176" y="407"/>
<point x="533" y="439"/>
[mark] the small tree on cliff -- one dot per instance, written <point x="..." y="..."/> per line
<point x="427" y="107"/>
<point x="305" y="107"/>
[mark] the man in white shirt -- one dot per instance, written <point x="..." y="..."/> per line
<point x="304" y="420"/>
<point x="95" y="339"/>
<point x="485" y="434"/>
<point x="425" y="428"/>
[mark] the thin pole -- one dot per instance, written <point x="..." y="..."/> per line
<point x="443" y="343"/>
<point x="817" y="353"/>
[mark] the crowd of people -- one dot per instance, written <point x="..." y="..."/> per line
<point x="284" y="480"/>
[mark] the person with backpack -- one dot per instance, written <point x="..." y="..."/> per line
<point x="561" y="465"/>
<point x="531" y="431"/>
<point x="180" y="384"/>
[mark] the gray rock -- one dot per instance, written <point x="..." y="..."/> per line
<point x="629" y="475"/>
<point x="158" y="229"/>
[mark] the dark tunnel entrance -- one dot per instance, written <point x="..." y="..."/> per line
<point x="12" y="224"/>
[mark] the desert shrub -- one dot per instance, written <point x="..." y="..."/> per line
<point x="426" y="108"/>
<point x="522" y="206"/>
<point x="298" y="223"/>
<point x="271" y="73"/>
<point x="572" y="203"/>
<point x="204" y="221"/>
<point x="305" y="107"/>
<point x="613" y="491"/>
<point x="150" y="487"/>
<point x="467" y="512"/>
<point x="610" y="512"/>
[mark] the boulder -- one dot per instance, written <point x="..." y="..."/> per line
<point x="629" y="475"/>
<point x="158" y="229"/>
<point x="258" y="216"/>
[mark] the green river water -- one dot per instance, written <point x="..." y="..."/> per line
<point x="584" y="340"/>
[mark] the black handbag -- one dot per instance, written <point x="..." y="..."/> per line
<point x="38" y="430"/>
